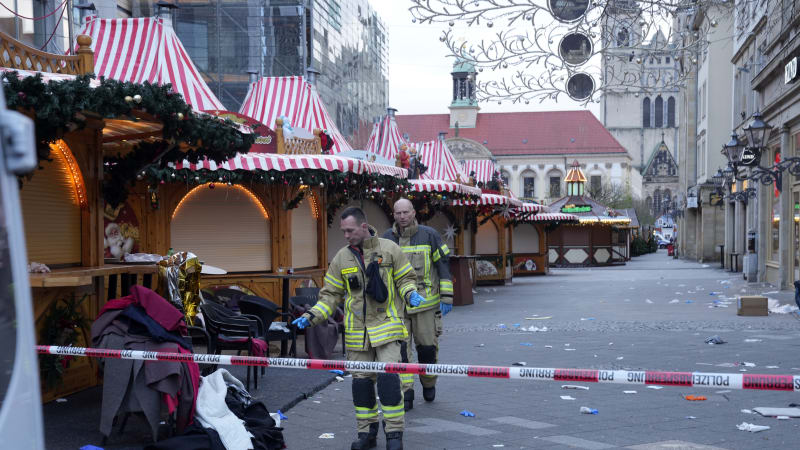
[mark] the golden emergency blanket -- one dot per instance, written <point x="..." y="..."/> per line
<point x="179" y="283"/>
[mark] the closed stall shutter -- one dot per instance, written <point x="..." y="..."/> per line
<point x="335" y="236"/>
<point x="486" y="241"/>
<point x="51" y="214"/>
<point x="440" y="223"/>
<point x="304" y="235"/>
<point x="526" y="239"/>
<point x="225" y="227"/>
<point x="376" y="217"/>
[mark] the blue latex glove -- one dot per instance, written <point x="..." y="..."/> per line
<point x="415" y="299"/>
<point x="445" y="308"/>
<point x="301" y="323"/>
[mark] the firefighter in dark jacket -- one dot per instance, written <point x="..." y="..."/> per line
<point x="429" y="256"/>
<point x="376" y="282"/>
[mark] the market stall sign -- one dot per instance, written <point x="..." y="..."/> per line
<point x="576" y="208"/>
<point x="714" y="199"/>
<point x="266" y="138"/>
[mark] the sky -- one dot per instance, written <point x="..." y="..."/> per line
<point x="419" y="66"/>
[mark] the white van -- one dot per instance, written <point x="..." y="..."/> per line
<point x="20" y="399"/>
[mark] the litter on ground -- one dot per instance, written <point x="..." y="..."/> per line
<point x="715" y="340"/>
<point x="574" y="386"/>
<point x="520" y="363"/>
<point x="753" y="340"/>
<point x="774" y="412"/>
<point x="775" y="307"/>
<point x="628" y="392"/>
<point x="587" y="410"/>
<point x="695" y="398"/>
<point x="466" y="413"/>
<point x="744" y="426"/>
<point x="567" y="397"/>
<point x="326" y="436"/>
<point x="655" y="387"/>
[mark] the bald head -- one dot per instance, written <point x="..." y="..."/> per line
<point x="404" y="212"/>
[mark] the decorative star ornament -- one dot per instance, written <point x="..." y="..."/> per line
<point x="450" y="232"/>
<point x="505" y="210"/>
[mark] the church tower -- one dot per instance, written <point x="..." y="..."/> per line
<point x="637" y="113"/>
<point x="464" y="107"/>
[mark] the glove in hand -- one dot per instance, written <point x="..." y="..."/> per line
<point x="301" y="323"/>
<point x="415" y="299"/>
<point x="445" y="308"/>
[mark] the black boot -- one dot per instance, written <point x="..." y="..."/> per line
<point x="429" y="393"/>
<point x="394" y="440"/>
<point x="367" y="440"/>
<point x="408" y="399"/>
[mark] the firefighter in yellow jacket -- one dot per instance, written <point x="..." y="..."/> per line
<point x="374" y="279"/>
<point x="429" y="257"/>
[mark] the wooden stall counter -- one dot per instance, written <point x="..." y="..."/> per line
<point x="83" y="276"/>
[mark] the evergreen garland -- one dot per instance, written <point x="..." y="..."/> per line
<point x="62" y="325"/>
<point x="59" y="107"/>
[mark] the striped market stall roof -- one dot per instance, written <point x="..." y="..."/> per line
<point x="492" y="199"/>
<point x="483" y="168"/>
<point x="528" y="207"/>
<point x="296" y="99"/>
<point x="282" y="163"/>
<point x="443" y="186"/>
<point x="386" y="141"/>
<point x="553" y="217"/>
<point x="147" y="49"/>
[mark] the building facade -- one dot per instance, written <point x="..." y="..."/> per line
<point x="766" y="50"/>
<point x="532" y="150"/>
<point x="707" y="127"/>
<point x="640" y="117"/>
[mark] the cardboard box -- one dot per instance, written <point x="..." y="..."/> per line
<point x="752" y="306"/>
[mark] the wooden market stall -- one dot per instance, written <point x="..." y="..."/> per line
<point x="601" y="236"/>
<point x="63" y="201"/>
<point x="530" y="246"/>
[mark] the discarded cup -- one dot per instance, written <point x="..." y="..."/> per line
<point x="587" y="410"/>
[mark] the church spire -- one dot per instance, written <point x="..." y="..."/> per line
<point x="464" y="107"/>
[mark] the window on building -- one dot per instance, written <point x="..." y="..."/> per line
<point x="657" y="202"/>
<point x="646" y="112"/>
<point x="529" y="187"/>
<point x="595" y="185"/>
<point x="775" y="201"/>
<point x="622" y="38"/>
<point x="667" y="60"/>
<point x="659" y="113"/>
<point x="555" y="187"/>
<point x="671" y="111"/>
<point x="505" y="177"/>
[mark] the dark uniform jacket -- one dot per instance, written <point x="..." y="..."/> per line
<point x="429" y="256"/>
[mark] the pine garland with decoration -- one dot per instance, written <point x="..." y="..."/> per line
<point x="59" y="107"/>
<point x="62" y="325"/>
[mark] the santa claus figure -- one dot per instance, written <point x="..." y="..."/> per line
<point x="116" y="245"/>
<point x="402" y="159"/>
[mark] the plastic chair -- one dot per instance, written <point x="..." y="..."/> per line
<point x="311" y="292"/>
<point x="228" y="297"/>
<point x="268" y="312"/>
<point x="232" y="332"/>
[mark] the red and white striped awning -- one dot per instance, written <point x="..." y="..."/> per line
<point x="294" y="98"/>
<point x="387" y="141"/>
<point x="147" y="49"/>
<point x="492" y="199"/>
<point x="528" y="207"/>
<point x="443" y="186"/>
<point x="282" y="163"/>
<point x="440" y="162"/>
<point x="483" y="168"/>
<point x="553" y="217"/>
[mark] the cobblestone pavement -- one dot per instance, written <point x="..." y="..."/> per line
<point x="652" y="314"/>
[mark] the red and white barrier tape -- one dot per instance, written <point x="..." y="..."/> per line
<point x="691" y="379"/>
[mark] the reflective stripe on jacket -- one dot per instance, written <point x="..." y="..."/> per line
<point x="430" y="258"/>
<point x="345" y="282"/>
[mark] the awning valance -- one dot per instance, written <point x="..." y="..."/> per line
<point x="492" y="199"/>
<point x="553" y="217"/>
<point x="443" y="186"/>
<point x="282" y="163"/>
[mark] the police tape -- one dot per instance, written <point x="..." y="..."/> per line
<point x="688" y="379"/>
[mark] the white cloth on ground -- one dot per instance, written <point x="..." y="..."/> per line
<point x="213" y="412"/>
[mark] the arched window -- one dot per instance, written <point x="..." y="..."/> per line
<point x="659" y="113"/>
<point x="671" y="112"/>
<point x="649" y="203"/>
<point x="657" y="201"/>
<point x="646" y="112"/>
<point x="666" y="199"/>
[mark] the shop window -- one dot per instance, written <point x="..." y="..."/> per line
<point x="775" y="199"/>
